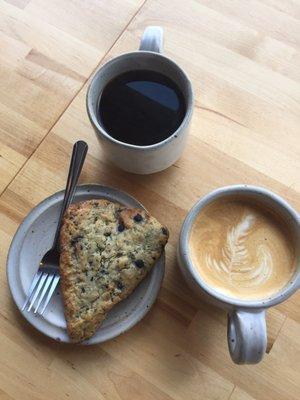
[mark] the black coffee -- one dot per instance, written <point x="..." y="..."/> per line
<point x="141" y="107"/>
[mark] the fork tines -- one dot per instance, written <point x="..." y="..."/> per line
<point x="40" y="291"/>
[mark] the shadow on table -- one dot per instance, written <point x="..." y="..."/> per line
<point x="143" y="187"/>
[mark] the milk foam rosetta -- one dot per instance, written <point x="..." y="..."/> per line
<point x="242" y="250"/>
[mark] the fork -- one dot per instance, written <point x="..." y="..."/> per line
<point x="47" y="276"/>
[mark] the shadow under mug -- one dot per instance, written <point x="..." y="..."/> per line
<point x="246" y="333"/>
<point x="133" y="158"/>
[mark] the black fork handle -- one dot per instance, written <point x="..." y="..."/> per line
<point x="78" y="156"/>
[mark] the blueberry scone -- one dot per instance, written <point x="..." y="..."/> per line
<point x="106" y="251"/>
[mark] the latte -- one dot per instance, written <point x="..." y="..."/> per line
<point x="241" y="249"/>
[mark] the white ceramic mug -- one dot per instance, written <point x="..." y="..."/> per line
<point x="247" y="335"/>
<point x="133" y="158"/>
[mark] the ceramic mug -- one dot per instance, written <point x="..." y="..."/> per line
<point x="246" y="334"/>
<point x="133" y="158"/>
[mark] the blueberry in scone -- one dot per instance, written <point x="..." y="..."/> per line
<point x="106" y="251"/>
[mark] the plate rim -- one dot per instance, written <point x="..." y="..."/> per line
<point x="12" y="258"/>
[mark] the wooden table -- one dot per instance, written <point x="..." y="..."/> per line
<point x="243" y="58"/>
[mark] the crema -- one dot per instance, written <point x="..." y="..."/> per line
<point x="241" y="249"/>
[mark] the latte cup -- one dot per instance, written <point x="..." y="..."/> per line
<point x="246" y="333"/>
<point x="131" y="157"/>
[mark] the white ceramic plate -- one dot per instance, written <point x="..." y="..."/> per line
<point x="34" y="237"/>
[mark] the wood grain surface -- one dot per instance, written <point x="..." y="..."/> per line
<point x="48" y="51"/>
<point x="243" y="58"/>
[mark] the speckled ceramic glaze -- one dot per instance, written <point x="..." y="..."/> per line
<point x="35" y="236"/>
<point x="247" y="336"/>
<point x="132" y="158"/>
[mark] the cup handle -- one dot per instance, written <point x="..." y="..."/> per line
<point x="247" y="336"/>
<point x="152" y="39"/>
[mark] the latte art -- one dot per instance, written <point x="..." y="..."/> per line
<point x="235" y="260"/>
<point x="241" y="250"/>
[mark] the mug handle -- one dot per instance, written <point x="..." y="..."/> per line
<point x="152" y="39"/>
<point x="247" y="336"/>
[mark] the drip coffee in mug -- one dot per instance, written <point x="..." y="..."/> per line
<point x="140" y="105"/>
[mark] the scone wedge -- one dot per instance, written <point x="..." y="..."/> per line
<point x="106" y="251"/>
